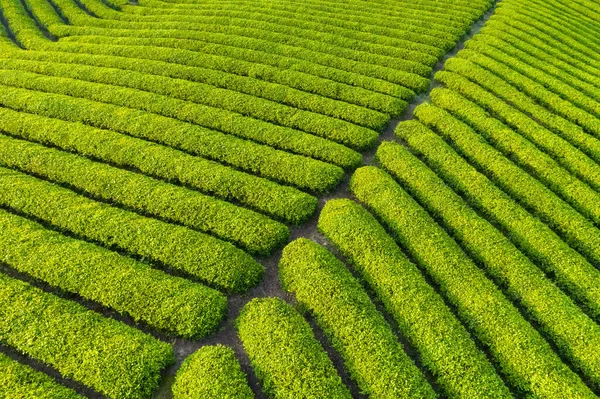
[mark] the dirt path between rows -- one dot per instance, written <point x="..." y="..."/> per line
<point x="270" y="286"/>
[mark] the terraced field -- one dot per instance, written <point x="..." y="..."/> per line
<point x="282" y="199"/>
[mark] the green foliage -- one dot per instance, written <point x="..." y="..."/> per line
<point x="200" y="255"/>
<point x="531" y="75"/>
<point x="197" y="103"/>
<point x="567" y="103"/>
<point x="289" y="168"/>
<point x="574" y="333"/>
<point x="571" y="44"/>
<point x="348" y="15"/>
<point x="515" y="44"/>
<point x="447" y="350"/>
<point x="243" y="84"/>
<point x="211" y="372"/>
<point x="546" y="43"/>
<point x="568" y="156"/>
<point x="18" y="381"/>
<point x="284" y="353"/>
<point x="521" y="352"/>
<point x="368" y="92"/>
<point x="226" y="31"/>
<point x="409" y="46"/>
<point x="164" y="302"/>
<point x="530" y="235"/>
<point x="112" y="358"/>
<point x="412" y="31"/>
<point x="23" y="28"/>
<point x="253" y="231"/>
<point x="577" y="230"/>
<point x="569" y="131"/>
<point x="286" y="203"/>
<point x="161" y="35"/>
<point x="518" y="149"/>
<point x="371" y="351"/>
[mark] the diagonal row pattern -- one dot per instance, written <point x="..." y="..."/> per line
<point x="154" y="158"/>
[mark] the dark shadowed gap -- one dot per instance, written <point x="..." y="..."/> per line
<point x="85" y="9"/>
<point x="59" y="12"/>
<point x="50" y="371"/>
<point x="37" y="22"/>
<point x="8" y="30"/>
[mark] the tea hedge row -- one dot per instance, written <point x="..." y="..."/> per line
<point x="562" y="17"/>
<point x="395" y="27"/>
<point x="433" y="21"/>
<point x="373" y="97"/>
<point x="166" y="303"/>
<point x="21" y="381"/>
<point x="578" y="230"/>
<point x="199" y="93"/>
<point x="250" y="230"/>
<point x="535" y="49"/>
<point x="572" y="9"/>
<point x="396" y="70"/>
<point x="407" y="81"/>
<point x="577" y="47"/>
<point x="22" y="28"/>
<point x="520" y="351"/>
<point x="164" y="119"/>
<point x="567" y="155"/>
<point x="417" y="14"/>
<point x="563" y="103"/>
<point x="569" y="131"/>
<point x="393" y="9"/>
<point x="554" y="15"/>
<point x="369" y="93"/>
<point x="447" y="104"/>
<point x="526" y="231"/>
<point x="197" y="254"/>
<point x="284" y="353"/>
<point x="243" y="84"/>
<point x="310" y="75"/>
<point x="242" y="31"/>
<point x="345" y="38"/>
<point x="371" y="351"/>
<point x="559" y="49"/>
<point x="211" y="372"/>
<point x="283" y="202"/>
<point x="108" y="356"/>
<point x="573" y="332"/>
<point x="531" y="74"/>
<point x="515" y="50"/>
<point x="307" y="26"/>
<point x="447" y="351"/>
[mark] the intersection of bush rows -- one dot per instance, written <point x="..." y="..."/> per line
<point x="299" y="199"/>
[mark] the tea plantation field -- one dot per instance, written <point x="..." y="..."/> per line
<point x="299" y="199"/>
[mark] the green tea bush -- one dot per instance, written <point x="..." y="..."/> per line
<point x="211" y="372"/>
<point x="175" y="305"/>
<point x="285" y="354"/>
<point x="22" y="382"/>
<point x="446" y="350"/>
<point x="108" y="356"/>
<point x="197" y="254"/>
<point x="252" y="231"/>
<point x="371" y="351"/>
